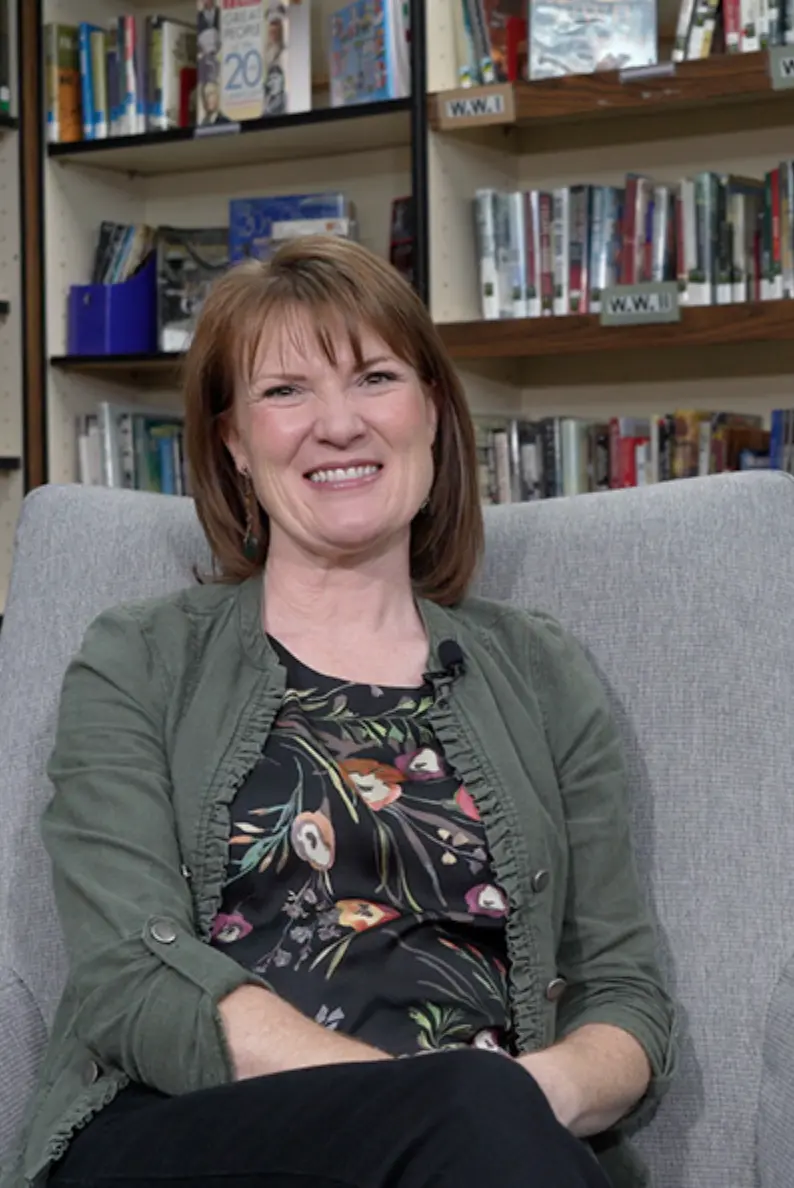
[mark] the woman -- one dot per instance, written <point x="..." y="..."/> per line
<point x="330" y="814"/>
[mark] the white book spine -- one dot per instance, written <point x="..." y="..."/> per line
<point x="532" y="229"/>
<point x="486" y="248"/>
<point x="751" y="42"/>
<point x="518" y="254"/>
<point x="683" y="26"/>
<point x="561" y="234"/>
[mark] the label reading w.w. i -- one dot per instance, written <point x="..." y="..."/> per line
<point x="472" y="106"/>
<point x="781" y="67"/>
<point x="636" y="305"/>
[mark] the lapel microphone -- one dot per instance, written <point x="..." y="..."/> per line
<point x="453" y="664"/>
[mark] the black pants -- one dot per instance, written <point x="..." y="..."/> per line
<point x="453" y="1120"/>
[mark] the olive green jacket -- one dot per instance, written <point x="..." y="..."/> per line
<point x="165" y="711"/>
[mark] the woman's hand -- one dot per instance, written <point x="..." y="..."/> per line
<point x="264" y="1034"/>
<point x="592" y="1077"/>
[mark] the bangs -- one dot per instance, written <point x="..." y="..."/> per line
<point x="299" y="317"/>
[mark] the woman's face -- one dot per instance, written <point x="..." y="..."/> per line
<point x="340" y="456"/>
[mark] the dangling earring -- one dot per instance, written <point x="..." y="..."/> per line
<point x="251" y="539"/>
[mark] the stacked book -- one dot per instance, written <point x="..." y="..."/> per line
<point x="723" y="238"/>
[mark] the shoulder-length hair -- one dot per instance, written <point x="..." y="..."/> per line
<point x="343" y="286"/>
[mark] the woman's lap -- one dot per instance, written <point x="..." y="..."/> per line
<point x="466" y="1119"/>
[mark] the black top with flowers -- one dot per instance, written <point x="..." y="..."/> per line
<point x="359" y="885"/>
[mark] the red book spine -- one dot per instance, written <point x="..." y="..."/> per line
<point x="628" y="255"/>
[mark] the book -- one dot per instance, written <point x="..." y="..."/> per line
<point x="368" y="54"/>
<point x="582" y="36"/>
<point x="188" y="261"/>
<point x="251" y="219"/>
<point x="62" y="83"/>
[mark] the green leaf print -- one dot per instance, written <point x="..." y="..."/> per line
<point x="439" y="1026"/>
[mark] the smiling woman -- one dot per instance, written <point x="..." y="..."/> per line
<point x="330" y="812"/>
<point x="324" y="368"/>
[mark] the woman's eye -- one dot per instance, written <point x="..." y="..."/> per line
<point x="281" y="390"/>
<point x="374" y="378"/>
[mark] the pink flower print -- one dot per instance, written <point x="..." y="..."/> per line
<point x="424" y="764"/>
<point x="377" y="784"/>
<point x="313" y="840"/>
<point x="230" y="928"/>
<point x="488" y="1041"/>
<point x="465" y="803"/>
<point x="486" y="900"/>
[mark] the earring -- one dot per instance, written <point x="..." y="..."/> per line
<point x="251" y="539"/>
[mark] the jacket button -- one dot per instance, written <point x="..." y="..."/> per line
<point x="162" y="931"/>
<point x="540" y="880"/>
<point x="91" y="1073"/>
<point x="555" y="989"/>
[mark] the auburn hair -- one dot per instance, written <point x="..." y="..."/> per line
<point x="343" y="286"/>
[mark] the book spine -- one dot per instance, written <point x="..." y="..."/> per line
<point x="486" y="246"/>
<point x="518" y="254"/>
<point x="686" y="12"/>
<point x="86" y="79"/>
<point x="732" y="20"/>
<point x="579" y="249"/>
<point x="532" y="221"/>
<point x="751" y="42"/>
<point x="100" y="83"/>
<point x="562" y="244"/>
<point x="597" y="267"/>
<point x="546" y="205"/>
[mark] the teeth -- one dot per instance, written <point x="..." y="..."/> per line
<point x="341" y="474"/>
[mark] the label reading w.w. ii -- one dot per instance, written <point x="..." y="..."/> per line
<point x="781" y="67"/>
<point x="639" y="305"/>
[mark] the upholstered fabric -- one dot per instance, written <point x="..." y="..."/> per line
<point x="683" y="594"/>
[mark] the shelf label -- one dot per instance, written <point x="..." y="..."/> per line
<point x="476" y="107"/>
<point x="781" y="67"/>
<point x="202" y="131"/>
<point x="643" y="73"/>
<point x="638" y="305"/>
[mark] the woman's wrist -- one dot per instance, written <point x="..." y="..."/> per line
<point x="549" y="1068"/>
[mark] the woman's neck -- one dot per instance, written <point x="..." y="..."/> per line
<point x="358" y="621"/>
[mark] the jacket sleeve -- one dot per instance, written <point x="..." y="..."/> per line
<point x="144" y="987"/>
<point x="608" y="949"/>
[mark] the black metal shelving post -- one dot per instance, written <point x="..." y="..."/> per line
<point x="419" y="181"/>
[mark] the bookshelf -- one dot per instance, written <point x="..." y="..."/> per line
<point x="722" y="113"/>
<point x="11" y="475"/>
<point x="185" y="178"/>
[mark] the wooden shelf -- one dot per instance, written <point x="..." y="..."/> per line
<point x="322" y="132"/>
<point x="583" y="334"/>
<point x="738" y="82"/>
<point x="161" y="368"/>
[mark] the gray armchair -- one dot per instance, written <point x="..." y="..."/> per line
<point x="684" y="595"/>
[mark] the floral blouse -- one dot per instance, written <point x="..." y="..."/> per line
<point x="359" y="884"/>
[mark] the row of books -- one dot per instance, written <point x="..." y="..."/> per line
<point x="723" y="238"/>
<point x="190" y="259"/>
<point x="504" y="40"/>
<point x="521" y="460"/>
<point x="731" y="26"/>
<point x="239" y="60"/>
<point x="134" y="447"/>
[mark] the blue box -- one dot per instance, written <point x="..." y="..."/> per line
<point x="116" y="319"/>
